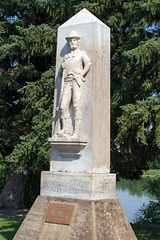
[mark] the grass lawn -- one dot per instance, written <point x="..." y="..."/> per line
<point x="152" y="173"/>
<point x="146" y="232"/>
<point x="9" y="226"/>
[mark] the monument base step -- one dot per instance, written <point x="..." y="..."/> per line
<point x="53" y="218"/>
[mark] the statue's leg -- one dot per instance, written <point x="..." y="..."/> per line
<point x="77" y="99"/>
<point x="65" y="102"/>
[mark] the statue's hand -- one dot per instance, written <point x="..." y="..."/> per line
<point x="83" y="79"/>
<point x="71" y="75"/>
<point x="79" y="79"/>
<point x="64" y="65"/>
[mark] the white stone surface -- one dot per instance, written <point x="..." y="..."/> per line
<point x="78" y="185"/>
<point x="95" y="124"/>
<point x="74" y="69"/>
<point x="68" y="148"/>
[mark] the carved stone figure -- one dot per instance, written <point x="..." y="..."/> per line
<point x="75" y="66"/>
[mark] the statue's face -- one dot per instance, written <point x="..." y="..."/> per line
<point x="73" y="43"/>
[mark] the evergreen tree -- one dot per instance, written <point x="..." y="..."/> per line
<point x="27" y="63"/>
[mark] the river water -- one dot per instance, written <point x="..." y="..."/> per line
<point x="132" y="196"/>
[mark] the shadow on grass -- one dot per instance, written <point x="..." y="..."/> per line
<point x="9" y="226"/>
<point x="146" y="232"/>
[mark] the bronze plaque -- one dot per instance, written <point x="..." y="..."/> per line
<point x="59" y="213"/>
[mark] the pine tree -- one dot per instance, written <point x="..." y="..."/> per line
<point x="135" y="89"/>
<point x="27" y="64"/>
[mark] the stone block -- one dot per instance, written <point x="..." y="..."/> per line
<point x="78" y="185"/>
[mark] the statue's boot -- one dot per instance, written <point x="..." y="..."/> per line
<point x="76" y="128"/>
<point x="65" y="130"/>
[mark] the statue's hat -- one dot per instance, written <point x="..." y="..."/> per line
<point x="73" y="34"/>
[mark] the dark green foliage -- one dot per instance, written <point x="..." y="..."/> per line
<point x="153" y="187"/>
<point x="156" y="163"/>
<point x="27" y="60"/>
<point x="135" y="87"/>
<point x="146" y="232"/>
<point x="150" y="213"/>
<point x="3" y="173"/>
<point x="32" y="189"/>
<point x="28" y="31"/>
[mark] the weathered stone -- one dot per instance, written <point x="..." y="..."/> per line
<point x="92" y="220"/>
<point x="95" y="104"/>
<point x="30" y="228"/>
<point x="68" y="148"/>
<point x="78" y="185"/>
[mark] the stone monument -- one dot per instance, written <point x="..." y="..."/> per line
<point x="78" y="193"/>
<point x="80" y="142"/>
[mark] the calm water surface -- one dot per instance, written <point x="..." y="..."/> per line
<point x="132" y="196"/>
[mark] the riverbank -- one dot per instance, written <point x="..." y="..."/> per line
<point x="151" y="173"/>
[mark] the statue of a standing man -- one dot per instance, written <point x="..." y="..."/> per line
<point x="75" y="66"/>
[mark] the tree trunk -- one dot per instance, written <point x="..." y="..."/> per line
<point x="13" y="192"/>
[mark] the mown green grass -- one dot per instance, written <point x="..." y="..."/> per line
<point x="146" y="232"/>
<point x="152" y="173"/>
<point x="9" y="226"/>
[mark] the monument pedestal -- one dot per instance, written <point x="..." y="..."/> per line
<point x="78" y="185"/>
<point x="90" y="220"/>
